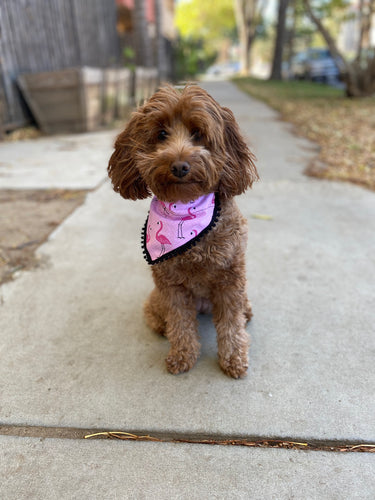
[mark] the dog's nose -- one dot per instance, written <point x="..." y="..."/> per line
<point x="180" y="168"/>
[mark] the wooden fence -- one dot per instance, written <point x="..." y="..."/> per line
<point x="46" y="35"/>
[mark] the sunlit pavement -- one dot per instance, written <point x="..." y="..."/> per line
<point x="76" y="353"/>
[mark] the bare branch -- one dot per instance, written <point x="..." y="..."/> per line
<point x="325" y="33"/>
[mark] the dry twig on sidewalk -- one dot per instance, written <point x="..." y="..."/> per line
<point x="261" y="443"/>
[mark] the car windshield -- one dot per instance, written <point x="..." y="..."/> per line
<point x="301" y="56"/>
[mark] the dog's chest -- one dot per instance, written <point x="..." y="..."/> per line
<point x="200" y="268"/>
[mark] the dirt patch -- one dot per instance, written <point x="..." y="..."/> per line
<point x="27" y="218"/>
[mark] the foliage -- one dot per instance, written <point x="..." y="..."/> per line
<point x="344" y="129"/>
<point x="203" y="20"/>
<point x="129" y="58"/>
<point x="358" y="74"/>
<point x="326" y="8"/>
<point x="302" y="33"/>
<point x="201" y="26"/>
<point x="249" y="16"/>
<point x="192" y="58"/>
<point x="334" y="13"/>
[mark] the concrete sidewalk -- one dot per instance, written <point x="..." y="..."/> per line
<point x="76" y="353"/>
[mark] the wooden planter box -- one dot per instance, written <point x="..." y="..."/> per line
<point x="124" y="93"/>
<point x="116" y="94"/>
<point x="68" y="100"/>
<point x="109" y="98"/>
<point x="83" y="99"/>
<point x="151" y="81"/>
<point x="146" y="81"/>
<point x="139" y="85"/>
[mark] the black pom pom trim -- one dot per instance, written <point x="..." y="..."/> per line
<point x="187" y="246"/>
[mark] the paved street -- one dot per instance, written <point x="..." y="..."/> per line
<point x="76" y="352"/>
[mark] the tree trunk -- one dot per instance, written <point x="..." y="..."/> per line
<point x="276" y="73"/>
<point x="291" y="32"/>
<point x="247" y="17"/>
<point x="365" y="20"/>
<point x="325" y="33"/>
<point x="360" y="81"/>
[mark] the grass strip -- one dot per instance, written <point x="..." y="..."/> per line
<point x="344" y="128"/>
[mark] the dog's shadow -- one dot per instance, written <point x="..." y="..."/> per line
<point x="207" y="339"/>
<point x="207" y="335"/>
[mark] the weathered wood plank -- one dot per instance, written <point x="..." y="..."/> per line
<point x="46" y="35"/>
<point x="69" y="100"/>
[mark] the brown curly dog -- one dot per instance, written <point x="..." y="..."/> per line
<point x="182" y="147"/>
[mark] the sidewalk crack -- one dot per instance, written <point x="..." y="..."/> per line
<point x="337" y="446"/>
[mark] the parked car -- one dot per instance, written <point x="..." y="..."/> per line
<point x="316" y="65"/>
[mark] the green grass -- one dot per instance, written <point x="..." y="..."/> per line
<point x="288" y="89"/>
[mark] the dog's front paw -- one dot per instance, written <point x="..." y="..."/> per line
<point x="180" y="361"/>
<point x="235" y="365"/>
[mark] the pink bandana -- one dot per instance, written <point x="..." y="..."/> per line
<point x="173" y="228"/>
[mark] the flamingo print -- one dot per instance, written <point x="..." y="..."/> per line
<point x="168" y="211"/>
<point x="182" y="220"/>
<point x="167" y="229"/>
<point x="164" y="207"/>
<point x="161" y="238"/>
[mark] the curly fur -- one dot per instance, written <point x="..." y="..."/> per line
<point x="191" y="127"/>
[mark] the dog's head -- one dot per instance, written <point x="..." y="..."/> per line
<point x="179" y="146"/>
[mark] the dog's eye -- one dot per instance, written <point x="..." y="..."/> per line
<point x="196" y="135"/>
<point x="162" y="135"/>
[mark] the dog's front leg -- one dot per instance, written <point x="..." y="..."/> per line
<point x="229" y="303"/>
<point x="181" y="330"/>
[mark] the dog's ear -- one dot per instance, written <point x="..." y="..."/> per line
<point x="239" y="171"/>
<point x="122" y="169"/>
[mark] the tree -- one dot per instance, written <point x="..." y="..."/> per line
<point x="366" y="12"/>
<point x="161" y="56"/>
<point x="202" y="30"/>
<point x="279" y="42"/>
<point x="248" y="16"/>
<point x="359" y="74"/>
<point x="191" y="58"/>
<point x="200" y="20"/>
